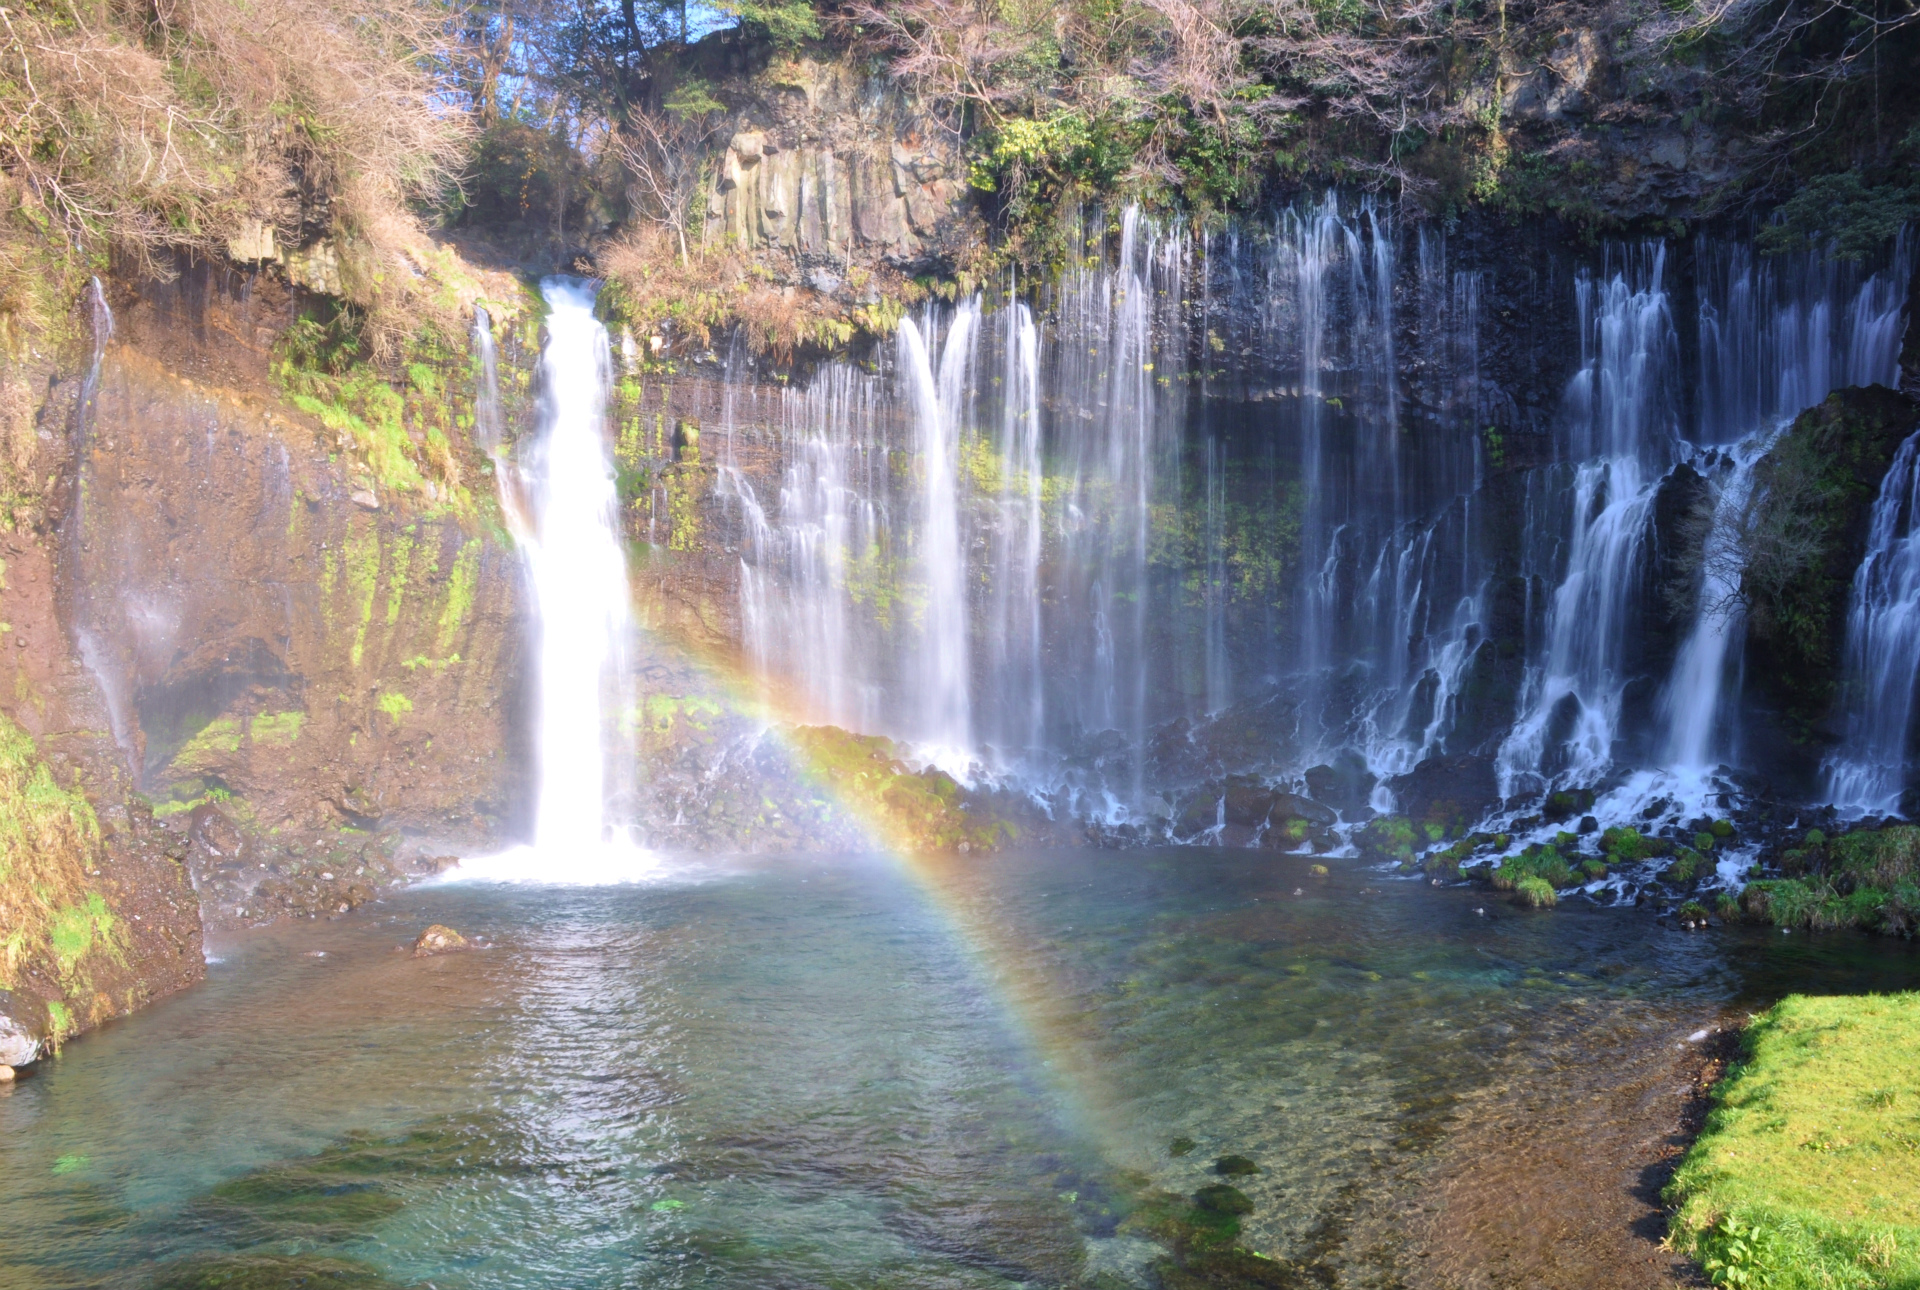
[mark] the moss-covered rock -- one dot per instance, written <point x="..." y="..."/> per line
<point x="1806" y="536"/>
<point x="923" y="810"/>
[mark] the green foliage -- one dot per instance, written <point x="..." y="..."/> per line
<point x="1625" y="845"/>
<point x="918" y="811"/>
<point x="1803" y="1177"/>
<point x="1535" y="891"/>
<point x="1867" y="879"/>
<point x="692" y="97"/>
<point x="1851" y="217"/>
<point x="1387" y="837"/>
<point x="786" y="24"/>
<point x="1536" y="861"/>
<point x="49" y="841"/>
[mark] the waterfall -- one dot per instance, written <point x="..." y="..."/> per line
<point x="1620" y="430"/>
<point x="1696" y="696"/>
<point x="1066" y="537"/>
<point x="940" y="674"/>
<point x="489" y="426"/>
<point x="578" y="571"/>
<point x="1883" y="649"/>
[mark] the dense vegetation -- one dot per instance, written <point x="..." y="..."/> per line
<point x="333" y="135"/>
<point x="1804" y="1175"/>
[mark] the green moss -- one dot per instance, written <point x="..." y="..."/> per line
<point x="397" y="575"/>
<point x="1805" y="537"/>
<point x="216" y="741"/>
<point x="78" y="929"/>
<point x="49" y="840"/>
<point x="1804" y="1176"/>
<point x="461" y="584"/>
<point x="921" y="811"/>
<point x="360" y="563"/>
<point x="276" y="729"/>
<point x="1389" y="837"/>
<point x="395" y="705"/>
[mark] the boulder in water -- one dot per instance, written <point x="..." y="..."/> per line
<point x="1235" y="1167"/>
<point x="18" y="1046"/>
<point x="439" y="939"/>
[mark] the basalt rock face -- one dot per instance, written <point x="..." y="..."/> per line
<point x="258" y="689"/>
<point x="1808" y="535"/>
<point x="826" y="162"/>
<point x="336" y="677"/>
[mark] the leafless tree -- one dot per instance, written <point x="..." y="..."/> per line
<point x="666" y="153"/>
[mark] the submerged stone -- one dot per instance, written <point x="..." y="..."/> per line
<point x="1235" y="1167"/>
<point x="1219" y="1198"/>
<point x="260" y="1271"/>
<point x="1181" y="1147"/>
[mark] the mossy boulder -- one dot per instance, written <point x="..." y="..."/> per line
<point x="923" y="810"/>
<point x="1235" y="1167"/>
<point x="1805" y="538"/>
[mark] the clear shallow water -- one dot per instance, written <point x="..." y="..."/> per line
<point x="808" y="1072"/>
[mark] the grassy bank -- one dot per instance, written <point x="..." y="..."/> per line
<point x="1808" y="1173"/>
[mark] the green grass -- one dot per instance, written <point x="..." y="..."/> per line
<point x="1808" y="1172"/>
<point x="1869" y="878"/>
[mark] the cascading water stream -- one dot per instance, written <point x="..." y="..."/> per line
<point x="1060" y="539"/>
<point x="579" y="577"/>
<point x="1696" y="699"/>
<point x="940" y="673"/>
<point x="1620" y="431"/>
<point x="1871" y="771"/>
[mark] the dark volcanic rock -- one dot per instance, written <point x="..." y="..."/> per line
<point x="1449" y="791"/>
<point x="1345" y="785"/>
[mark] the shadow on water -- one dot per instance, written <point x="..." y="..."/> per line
<point x="798" y="1072"/>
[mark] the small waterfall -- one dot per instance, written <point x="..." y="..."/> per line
<point x="489" y="425"/>
<point x="579" y="577"/>
<point x="1621" y="431"/>
<point x="938" y="670"/>
<point x="1883" y="649"/>
<point x="1705" y="673"/>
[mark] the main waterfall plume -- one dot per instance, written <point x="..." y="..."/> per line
<point x="579" y="576"/>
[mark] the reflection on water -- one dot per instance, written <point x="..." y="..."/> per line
<point x="812" y="1072"/>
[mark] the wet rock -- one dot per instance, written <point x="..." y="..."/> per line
<point x="1345" y="785"/>
<point x="439" y="939"/>
<point x="1448" y="791"/>
<point x="209" y="827"/>
<point x="1200" y="813"/>
<point x="1248" y="801"/>
<point x="18" y="1046"/>
<point x="1235" y="1167"/>
<point x="1223" y="1199"/>
<point x="6" y="1074"/>
<point x="1181" y="1147"/>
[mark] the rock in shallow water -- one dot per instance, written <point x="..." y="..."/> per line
<point x="438" y="940"/>
<point x="17" y="1047"/>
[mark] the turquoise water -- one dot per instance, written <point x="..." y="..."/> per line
<point x="830" y="1072"/>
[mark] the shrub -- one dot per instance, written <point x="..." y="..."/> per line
<point x="1625" y="845"/>
<point x="1535" y="891"/>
